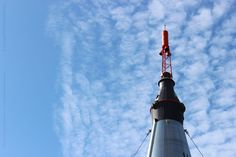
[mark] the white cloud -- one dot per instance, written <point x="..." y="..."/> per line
<point x="157" y="10"/>
<point x="221" y="8"/>
<point x="201" y="21"/>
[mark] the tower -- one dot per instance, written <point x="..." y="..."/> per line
<point x="168" y="136"/>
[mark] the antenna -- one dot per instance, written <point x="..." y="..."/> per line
<point x="166" y="55"/>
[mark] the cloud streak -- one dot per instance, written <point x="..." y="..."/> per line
<point x="110" y="65"/>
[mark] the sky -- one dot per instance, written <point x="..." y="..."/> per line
<point x="78" y="77"/>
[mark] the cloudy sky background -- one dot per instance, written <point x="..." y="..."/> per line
<point x="101" y="71"/>
<point x="110" y="66"/>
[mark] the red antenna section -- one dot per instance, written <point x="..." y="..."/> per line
<point x="165" y="53"/>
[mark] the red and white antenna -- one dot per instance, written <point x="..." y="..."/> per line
<point x="165" y="53"/>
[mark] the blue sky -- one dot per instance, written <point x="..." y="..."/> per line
<point x="80" y="75"/>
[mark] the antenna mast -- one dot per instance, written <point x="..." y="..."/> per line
<point x="166" y="54"/>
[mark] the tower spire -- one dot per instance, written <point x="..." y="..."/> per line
<point x="167" y="137"/>
<point x="165" y="53"/>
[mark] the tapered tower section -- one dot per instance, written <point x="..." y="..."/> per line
<point x="167" y="137"/>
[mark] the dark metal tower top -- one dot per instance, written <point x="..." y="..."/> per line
<point x="167" y="104"/>
<point x="166" y="54"/>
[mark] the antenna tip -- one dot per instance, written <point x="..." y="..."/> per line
<point x="164" y="27"/>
